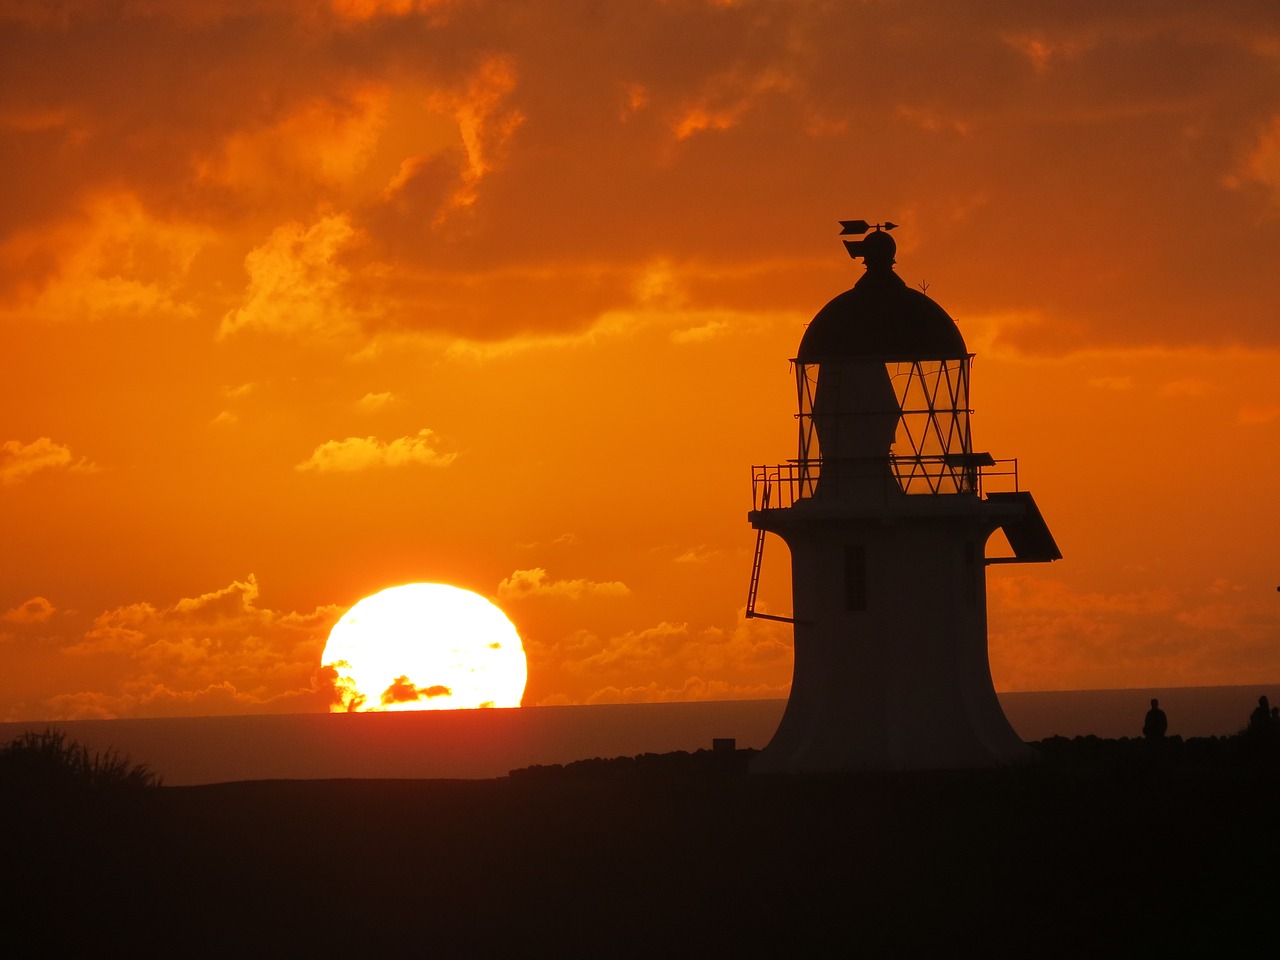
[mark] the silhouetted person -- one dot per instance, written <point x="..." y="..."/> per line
<point x="1260" y="719"/>
<point x="1154" y="727"/>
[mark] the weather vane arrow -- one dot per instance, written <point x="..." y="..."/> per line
<point x="859" y="227"/>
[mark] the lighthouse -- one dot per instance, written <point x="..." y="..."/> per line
<point x="887" y="516"/>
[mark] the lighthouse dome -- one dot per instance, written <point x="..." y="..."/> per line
<point x="881" y="318"/>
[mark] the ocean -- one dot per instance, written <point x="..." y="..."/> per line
<point x="477" y="744"/>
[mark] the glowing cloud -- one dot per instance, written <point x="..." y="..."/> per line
<point x="35" y="610"/>
<point x="218" y="651"/>
<point x="700" y="554"/>
<point x="327" y="140"/>
<point x="484" y="121"/>
<point x="534" y="583"/>
<point x="109" y="259"/>
<point x="375" y="401"/>
<point x="369" y="9"/>
<point x="296" y="283"/>
<point x="364" y="453"/>
<point x="671" y="661"/>
<point x="18" y="460"/>
<point x="1262" y="165"/>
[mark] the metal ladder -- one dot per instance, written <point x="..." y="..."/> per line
<point x="756" y="563"/>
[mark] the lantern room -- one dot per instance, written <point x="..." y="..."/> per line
<point x="882" y="382"/>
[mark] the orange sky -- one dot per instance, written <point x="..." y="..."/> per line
<point x="302" y="301"/>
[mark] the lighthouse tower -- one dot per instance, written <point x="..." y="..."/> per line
<point x="887" y="520"/>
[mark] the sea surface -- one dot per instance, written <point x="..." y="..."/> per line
<point x="477" y="744"/>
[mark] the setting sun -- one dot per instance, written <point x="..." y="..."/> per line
<point x="425" y="646"/>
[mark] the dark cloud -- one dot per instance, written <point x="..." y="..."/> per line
<point x="1092" y="165"/>
<point x="402" y="690"/>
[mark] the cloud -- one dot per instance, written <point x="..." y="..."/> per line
<point x="1262" y="164"/>
<point x="296" y="282"/>
<point x="148" y="698"/>
<point x="700" y="554"/>
<point x="326" y="139"/>
<point x="404" y="691"/>
<point x="35" y="610"/>
<point x="707" y="330"/>
<point x="693" y="688"/>
<point x="1186" y="387"/>
<point x="648" y="649"/>
<point x="534" y="583"/>
<point x="485" y="121"/>
<point x="227" y="417"/>
<point x="361" y="10"/>
<point x="664" y="662"/>
<point x="563" y="540"/>
<point x="372" y="402"/>
<point x="364" y="453"/>
<point x="727" y="97"/>
<point x="111" y="258"/>
<point x="1044" y="53"/>
<point x="18" y="460"/>
<point x="219" y="650"/>
<point x="458" y="145"/>
<point x="1255" y="413"/>
<point x="1217" y="634"/>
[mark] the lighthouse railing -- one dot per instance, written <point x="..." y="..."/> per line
<point x="779" y="486"/>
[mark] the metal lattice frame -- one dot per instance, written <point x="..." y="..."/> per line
<point x="933" y="437"/>
<point x="932" y="447"/>
<point x="809" y="457"/>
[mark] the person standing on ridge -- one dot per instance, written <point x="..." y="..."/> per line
<point x="1154" y="727"/>
<point x="1260" y="719"/>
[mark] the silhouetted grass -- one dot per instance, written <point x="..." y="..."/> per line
<point x="84" y="848"/>
<point x="50" y="760"/>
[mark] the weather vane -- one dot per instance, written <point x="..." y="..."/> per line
<point x="883" y="246"/>
<point x="859" y="227"/>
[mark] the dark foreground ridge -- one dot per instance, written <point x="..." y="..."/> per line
<point x="1101" y="847"/>
<point x="1168" y="756"/>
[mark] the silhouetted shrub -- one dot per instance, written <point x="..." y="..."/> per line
<point x="48" y="760"/>
<point x="676" y="764"/>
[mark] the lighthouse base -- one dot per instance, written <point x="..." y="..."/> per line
<point x="891" y="668"/>
<point x="909" y="734"/>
